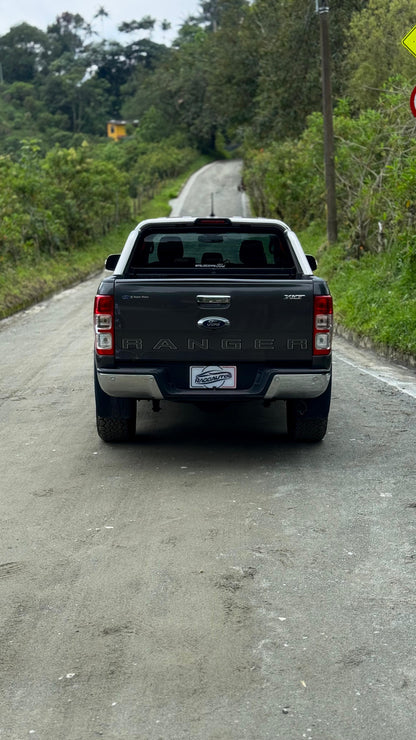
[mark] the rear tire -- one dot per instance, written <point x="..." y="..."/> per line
<point x="116" y="417"/>
<point x="306" y="430"/>
<point x="307" y="419"/>
<point x="111" y="429"/>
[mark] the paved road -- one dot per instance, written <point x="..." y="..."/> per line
<point x="210" y="581"/>
<point x="213" y="190"/>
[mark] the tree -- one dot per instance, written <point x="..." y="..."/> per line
<point x="146" y="24"/>
<point x="374" y="53"/>
<point x="232" y="81"/>
<point x="22" y="53"/>
<point x="82" y="99"/>
<point x="207" y="80"/>
<point x="68" y="34"/>
<point x="114" y="68"/>
<point x="118" y="64"/>
<point x="209" y="14"/>
<point x="287" y="41"/>
<point x="101" y="13"/>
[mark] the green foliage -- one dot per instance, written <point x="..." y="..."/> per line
<point x="373" y="52"/>
<point x="237" y="68"/>
<point x="63" y="200"/>
<point x="207" y="79"/>
<point x="373" y="295"/>
<point x="372" y="269"/>
<point x="22" y="51"/>
<point x="75" y="83"/>
<point x="240" y="74"/>
<point x="376" y="172"/>
<point x="375" y="168"/>
<point x="27" y="281"/>
<point x="147" y="164"/>
<point x="57" y="202"/>
<point x="286" y="48"/>
<point x="286" y="179"/>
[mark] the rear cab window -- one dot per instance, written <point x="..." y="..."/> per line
<point x="199" y="250"/>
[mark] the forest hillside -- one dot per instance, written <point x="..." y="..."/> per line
<point x="241" y="79"/>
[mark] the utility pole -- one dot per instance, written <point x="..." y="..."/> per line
<point x="331" y="206"/>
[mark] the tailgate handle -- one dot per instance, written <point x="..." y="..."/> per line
<point x="213" y="300"/>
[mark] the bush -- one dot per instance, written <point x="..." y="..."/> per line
<point x="375" y="156"/>
<point x="147" y="164"/>
<point x="286" y="180"/>
<point x="372" y="269"/>
<point x="72" y="196"/>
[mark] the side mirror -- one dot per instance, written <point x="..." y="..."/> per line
<point x="312" y="262"/>
<point x="111" y="262"/>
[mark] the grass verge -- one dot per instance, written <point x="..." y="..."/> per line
<point x="373" y="296"/>
<point x="23" y="284"/>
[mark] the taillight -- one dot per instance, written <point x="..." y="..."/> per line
<point x="104" y="324"/>
<point x="322" y="324"/>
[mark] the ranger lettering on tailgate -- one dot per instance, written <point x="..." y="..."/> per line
<point x="226" y="344"/>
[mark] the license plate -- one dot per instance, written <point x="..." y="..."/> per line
<point x="216" y="377"/>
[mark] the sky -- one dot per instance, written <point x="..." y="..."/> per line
<point x="41" y="13"/>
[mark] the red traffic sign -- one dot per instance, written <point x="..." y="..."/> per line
<point x="413" y="102"/>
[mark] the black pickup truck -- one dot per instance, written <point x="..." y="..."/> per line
<point x="212" y="311"/>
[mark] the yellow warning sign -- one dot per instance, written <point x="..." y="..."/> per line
<point x="409" y="41"/>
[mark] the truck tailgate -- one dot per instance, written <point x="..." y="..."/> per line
<point x="213" y="321"/>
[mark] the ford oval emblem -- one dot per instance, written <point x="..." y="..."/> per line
<point x="213" y="322"/>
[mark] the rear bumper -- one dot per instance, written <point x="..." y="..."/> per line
<point x="128" y="385"/>
<point x="277" y="385"/>
<point x="298" y="385"/>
